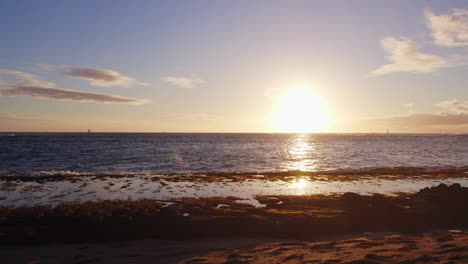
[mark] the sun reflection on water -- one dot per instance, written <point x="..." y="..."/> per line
<point x="299" y="186"/>
<point x="300" y="152"/>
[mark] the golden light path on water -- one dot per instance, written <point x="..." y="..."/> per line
<point x="299" y="186"/>
<point x="300" y="151"/>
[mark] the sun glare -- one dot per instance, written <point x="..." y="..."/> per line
<point x="299" y="110"/>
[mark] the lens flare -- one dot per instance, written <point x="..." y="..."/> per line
<point x="176" y="157"/>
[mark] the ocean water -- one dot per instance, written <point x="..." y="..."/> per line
<point x="37" y="154"/>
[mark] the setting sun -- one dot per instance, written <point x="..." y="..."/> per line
<point x="299" y="110"/>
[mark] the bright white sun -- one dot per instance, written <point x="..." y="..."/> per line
<point x="299" y="110"/>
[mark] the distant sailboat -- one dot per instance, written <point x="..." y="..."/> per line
<point x="89" y="131"/>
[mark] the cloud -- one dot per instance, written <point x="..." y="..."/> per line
<point x="425" y="120"/>
<point x="183" y="82"/>
<point x="7" y="118"/>
<point x="28" y="86"/>
<point x="405" y="56"/>
<point x="25" y="79"/>
<point x="410" y="123"/>
<point x="105" y="78"/>
<point x="453" y="120"/>
<point x="64" y="94"/>
<point x="460" y="107"/>
<point x="449" y="30"/>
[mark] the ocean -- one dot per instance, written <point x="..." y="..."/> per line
<point x="48" y="154"/>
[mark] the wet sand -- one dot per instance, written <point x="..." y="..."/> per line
<point x="135" y="251"/>
<point x="369" y="248"/>
<point x="429" y="248"/>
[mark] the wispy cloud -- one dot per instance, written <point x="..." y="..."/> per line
<point x="449" y="30"/>
<point x="404" y="56"/>
<point x="21" y="118"/>
<point x="184" y="82"/>
<point x="96" y="77"/>
<point x="460" y="107"/>
<point x="29" y="86"/>
<point x="24" y="79"/>
<point x="65" y="94"/>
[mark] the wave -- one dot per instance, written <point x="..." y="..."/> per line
<point x="55" y="173"/>
<point x="344" y="172"/>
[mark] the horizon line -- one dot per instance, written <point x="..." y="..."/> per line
<point x="164" y="132"/>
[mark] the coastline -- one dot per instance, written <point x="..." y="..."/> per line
<point x="292" y="217"/>
<point x="219" y="220"/>
<point x="54" y="190"/>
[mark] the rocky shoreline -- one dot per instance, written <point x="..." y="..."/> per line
<point x="288" y="217"/>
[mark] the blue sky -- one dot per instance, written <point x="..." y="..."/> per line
<point x="222" y="66"/>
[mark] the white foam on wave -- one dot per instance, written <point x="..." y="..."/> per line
<point x="29" y="193"/>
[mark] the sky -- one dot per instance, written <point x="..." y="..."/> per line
<point x="234" y="66"/>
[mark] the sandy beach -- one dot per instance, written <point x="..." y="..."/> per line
<point x="429" y="248"/>
<point x="434" y="247"/>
